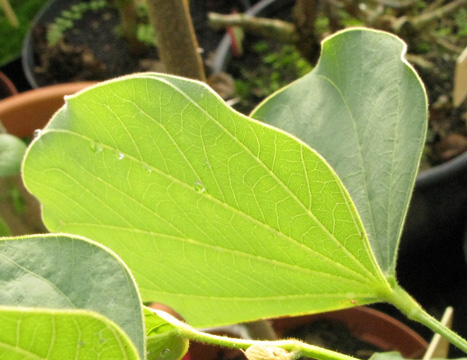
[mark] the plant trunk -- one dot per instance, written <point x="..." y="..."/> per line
<point x="268" y="28"/>
<point x="175" y="36"/>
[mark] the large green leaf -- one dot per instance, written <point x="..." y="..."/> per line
<point x="44" y="334"/>
<point x="364" y="109"/>
<point x="221" y="217"/>
<point x="56" y="272"/>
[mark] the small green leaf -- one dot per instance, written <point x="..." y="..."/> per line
<point x="220" y="217"/>
<point x="56" y="272"/>
<point x="35" y="334"/>
<point x="364" y="109"/>
<point x="12" y="150"/>
<point x="163" y="339"/>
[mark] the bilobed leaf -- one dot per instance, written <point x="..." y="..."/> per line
<point x="57" y="272"/>
<point x="220" y="217"/>
<point x="34" y="334"/>
<point x="364" y="109"/>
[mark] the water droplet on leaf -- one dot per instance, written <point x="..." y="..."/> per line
<point x="147" y="168"/>
<point x="96" y="147"/>
<point x="206" y="164"/>
<point x="120" y="155"/>
<point x="199" y="187"/>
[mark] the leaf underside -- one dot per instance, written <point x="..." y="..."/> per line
<point x="218" y="216"/>
<point x="33" y="334"/>
<point x="364" y="109"/>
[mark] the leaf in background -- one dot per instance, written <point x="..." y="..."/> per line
<point x="163" y="339"/>
<point x="32" y="334"/>
<point x="56" y="272"/>
<point x="12" y="150"/>
<point x="220" y="217"/>
<point x="364" y="109"/>
<point x="4" y="228"/>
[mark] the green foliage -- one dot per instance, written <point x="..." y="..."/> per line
<point x="164" y="341"/>
<point x="145" y="34"/>
<point x="30" y="334"/>
<point x="67" y="18"/>
<point x="68" y="273"/>
<point x="12" y="150"/>
<point x="222" y="217"/>
<point x="79" y="296"/>
<point x="278" y="69"/>
<point x="11" y="38"/>
<point x="4" y="228"/>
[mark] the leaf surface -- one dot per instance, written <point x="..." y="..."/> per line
<point x="35" y="334"/>
<point x="220" y="217"/>
<point x="56" y="272"/>
<point x="364" y="109"/>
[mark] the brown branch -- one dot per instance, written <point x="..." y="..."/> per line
<point x="268" y="28"/>
<point x="176" y="40"/>
<point x="424" y="19"/>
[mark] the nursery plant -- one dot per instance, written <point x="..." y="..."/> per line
<point x="223" y="218"/>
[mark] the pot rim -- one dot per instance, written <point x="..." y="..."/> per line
<point x="44" y="102"/>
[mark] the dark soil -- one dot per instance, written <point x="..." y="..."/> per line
<point x="93" y="50"/>
<point x="447" y="134"/>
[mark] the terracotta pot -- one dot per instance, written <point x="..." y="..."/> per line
<point x="21" y="115"/>
<point x="365" y="324"/>
<point x="7" y="88"/>
<point x="31" y="110"/>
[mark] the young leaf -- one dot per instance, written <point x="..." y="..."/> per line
<point x="364" y="109"/>
<point x="32" y="334"/>
<point x="163" y="339"/>
<point x="222" y="218"/>
<point x="56" y="272"/>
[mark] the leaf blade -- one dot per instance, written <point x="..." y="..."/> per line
<point x="56" y="272"/>
<point x="200" y="202"/>
<point x="61" y="334"/>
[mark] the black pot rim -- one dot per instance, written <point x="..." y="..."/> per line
<point x="442" y="172"/>
<point x="27" y="52"/>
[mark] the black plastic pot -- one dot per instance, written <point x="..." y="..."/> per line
<point x="47" y="15"/>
